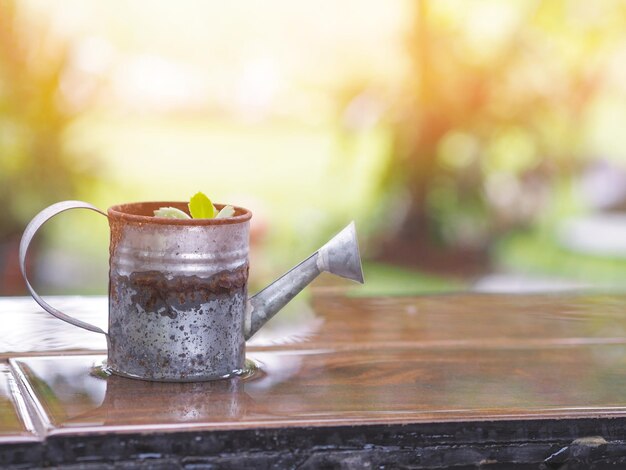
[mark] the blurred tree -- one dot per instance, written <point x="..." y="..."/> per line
<point x="485" y="126"/>
<point x="35" y="168"/>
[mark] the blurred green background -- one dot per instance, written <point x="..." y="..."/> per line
<point x="477" y="144"/>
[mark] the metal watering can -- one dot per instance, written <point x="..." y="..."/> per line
<point x="178" y="304"/>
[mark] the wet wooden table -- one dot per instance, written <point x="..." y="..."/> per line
<point x="421" y="382"/>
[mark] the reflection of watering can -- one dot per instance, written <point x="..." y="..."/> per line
<point x="178" y="305"/>
<point x="222" y="400"/>
<point x="129" y="402"/>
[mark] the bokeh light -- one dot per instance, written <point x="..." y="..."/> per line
<point x="466" y="138"/>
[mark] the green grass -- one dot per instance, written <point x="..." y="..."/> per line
<point x="387" y="280"/>
<point x="538" y="253"/>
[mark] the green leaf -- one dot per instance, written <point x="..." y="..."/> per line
<point x="227" y="211"/>
<point x="171" y="213"/>
<point x="201" y="207"/>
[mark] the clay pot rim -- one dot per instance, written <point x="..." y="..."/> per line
<point x="141" y="212"/>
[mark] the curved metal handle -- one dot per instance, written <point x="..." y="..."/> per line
<point x="27" y="237"/>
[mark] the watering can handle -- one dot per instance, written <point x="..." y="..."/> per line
<point x="27" y="237"/>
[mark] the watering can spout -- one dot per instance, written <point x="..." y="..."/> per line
<point x="339" y="256"/>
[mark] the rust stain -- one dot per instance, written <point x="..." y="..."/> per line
<point x="143" y="212"/>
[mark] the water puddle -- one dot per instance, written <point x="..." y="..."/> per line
<point x="317" y="385"/>
<point x="250" y="371"/>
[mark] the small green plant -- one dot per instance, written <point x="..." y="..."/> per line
<point x="200" y="207"/>
<point x="171" y="213"/>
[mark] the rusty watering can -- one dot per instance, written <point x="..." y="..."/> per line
<point x="178" y="304"/>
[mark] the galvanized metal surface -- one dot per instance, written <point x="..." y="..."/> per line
<point x="339" y="256"/>
<point x="176" y="299"/>
<point x="27" y="237"/>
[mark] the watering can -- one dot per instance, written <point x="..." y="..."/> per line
<point x="178" y="304"/>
